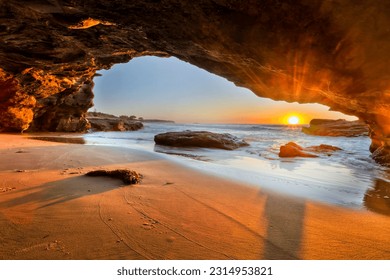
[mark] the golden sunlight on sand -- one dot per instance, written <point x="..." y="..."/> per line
<point x="50" y="210"/>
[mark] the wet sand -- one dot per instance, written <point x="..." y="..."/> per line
<point x="50" y="210"/>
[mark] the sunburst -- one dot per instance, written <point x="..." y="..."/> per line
<point x="293" y="120"/>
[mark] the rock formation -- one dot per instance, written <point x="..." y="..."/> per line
<point x="330" y="52"/>
<point x="292" y="149"/>
<point x="129" y="177"/>
<point x="202" y="139"/>
<point x="323" y="148"/>
<point x="324" y="127"/>
<point x="106" y="122"/>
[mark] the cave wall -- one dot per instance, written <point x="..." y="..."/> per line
<point x="329" y="52"/>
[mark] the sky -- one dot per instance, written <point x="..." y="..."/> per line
<point x="170" y="89"/>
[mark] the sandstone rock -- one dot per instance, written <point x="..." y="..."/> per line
<point x="382" y="155"/>
<point x="325" y="127"/>
<point x="303" y="51"/>
<point x="106" y="122"/>
<point x="66" y="112"/>
<point x="323" y="148"/>
<point x="292" y="149"/>
<point x="127" y="176"/>
<point x="202" y="139"/>
<point x="101" y="124"/>
<point x="377" y="198"/>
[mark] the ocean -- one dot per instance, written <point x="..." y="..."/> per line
<point x="347" y="178"/>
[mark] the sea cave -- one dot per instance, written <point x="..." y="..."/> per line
<point x="333" y="53"/>
<point x="329" y="52"/>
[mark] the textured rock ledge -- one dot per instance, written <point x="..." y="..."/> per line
<point x="377" y="198"/>
<point x="201" y="139"/>
<point x="105" y="122"/>
<point x="325" y="127"/>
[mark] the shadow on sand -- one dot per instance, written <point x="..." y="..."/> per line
<point x="284" y="232"/>
<point x="62" y="191"/>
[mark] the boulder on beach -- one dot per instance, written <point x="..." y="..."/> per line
<point x="325" y="127"/>
<point x="127" y="176"/>
<point x="292" y="149"/>
<point x="323" y="148"/>
<point x="202" y="139"/>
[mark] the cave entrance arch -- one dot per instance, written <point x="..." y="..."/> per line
<point x="168" y="88"/>
<point x="126" y="87"/>
<point x="331" y="52"/>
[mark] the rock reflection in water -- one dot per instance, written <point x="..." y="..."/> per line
<point x="70" y="140"/>
<point x="377" y="199"/>
<point x="177" y="152"/>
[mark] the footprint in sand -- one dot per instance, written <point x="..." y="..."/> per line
<point x="170" y="239"/>
<point x="7" y="189"/>
<point x="148" y="226"/>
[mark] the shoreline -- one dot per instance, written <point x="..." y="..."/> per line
<point x="51" y="211"/>
<point x="340" y="179"/>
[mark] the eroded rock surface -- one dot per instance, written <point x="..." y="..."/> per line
<point x="324" y="127"/>
<point x="105" y="122"/>
<point x="202" y="139"/>
<point x="129" y="177"/>
<point x="292" y="149"/>
<point x="331" y="52"/>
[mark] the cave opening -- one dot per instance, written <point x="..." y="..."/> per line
<point x="168" y="88"/>
<point x="327" y="52"/>
<point x="153" y="88"/>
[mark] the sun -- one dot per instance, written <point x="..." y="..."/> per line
<point x="293" y="120"/>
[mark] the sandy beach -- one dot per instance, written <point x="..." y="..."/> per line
<point x="50" y="210"/>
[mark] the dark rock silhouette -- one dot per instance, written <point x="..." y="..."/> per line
<point x="127" y="176"/>
<point x="292" y="149"/>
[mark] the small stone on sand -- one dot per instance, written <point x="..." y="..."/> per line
<point x="127" y="176"/>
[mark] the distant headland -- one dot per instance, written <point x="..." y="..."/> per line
<point x="107" y="122"/>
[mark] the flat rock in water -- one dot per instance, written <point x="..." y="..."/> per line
<point x="114" y="124"/>
<point x="323" y="148"/>
<point x="292" y="149"/>
<point x="202" y="139"/>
